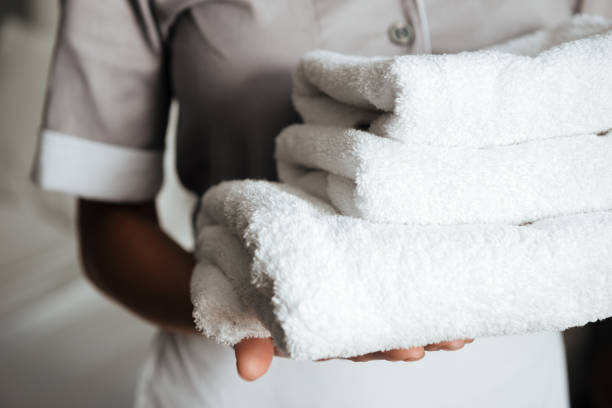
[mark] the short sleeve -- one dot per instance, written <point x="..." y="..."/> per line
<point x="107" y="101"/>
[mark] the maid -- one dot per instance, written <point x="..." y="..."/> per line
<point x="118" y="64"/>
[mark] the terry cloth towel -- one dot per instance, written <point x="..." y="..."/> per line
<point x="327" y="285"/>
<point x="383" y="180"/>
<point x="547" y="84"/>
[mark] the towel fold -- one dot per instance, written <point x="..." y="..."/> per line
<point x="218" y="311"/>
<point x="379" y="179"/>
<point x="328" y="285"/>
<point x="550" y="83"/>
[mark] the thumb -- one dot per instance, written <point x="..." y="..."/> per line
<point x="253" y="357"/>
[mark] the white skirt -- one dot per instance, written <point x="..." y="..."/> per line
<point x="512" y="371"/>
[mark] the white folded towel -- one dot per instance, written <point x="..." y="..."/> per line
<point x="334" y="286"/>
<point x="484" y="140"/>
<point x="379" y="179"/>
<point x="561" y="85"/>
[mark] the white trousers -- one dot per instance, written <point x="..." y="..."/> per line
<point x="512" y="371"/>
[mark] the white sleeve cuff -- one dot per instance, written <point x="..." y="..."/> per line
<point x="96" y="170"/>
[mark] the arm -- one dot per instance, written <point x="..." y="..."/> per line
<point x="127" y="256"/>
<point x="102" y="137"/>
<point x="106" y="145"/>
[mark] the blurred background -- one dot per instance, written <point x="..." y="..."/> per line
<point x="62" y="344"/>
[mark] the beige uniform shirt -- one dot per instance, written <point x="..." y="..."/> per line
<point x="119" y="63"/>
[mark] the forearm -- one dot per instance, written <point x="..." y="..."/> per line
<point x="127" y="255"/>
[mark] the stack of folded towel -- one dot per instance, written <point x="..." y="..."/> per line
<point x="425" y="198"/>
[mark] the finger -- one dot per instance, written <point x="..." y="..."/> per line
<point x="444" y="345"/>
<point x="452" y="345"/>
<point x="410" y="354"/>
<point x="448" y="345"/>
<point x="253" y="357"/>
<point x="377" y="355"/>
<point x="432" y="347"/>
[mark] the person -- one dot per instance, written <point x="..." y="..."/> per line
<point x="116" y="67"/>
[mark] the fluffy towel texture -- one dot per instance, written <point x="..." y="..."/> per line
<point x="218" y="311"/>
<point x="488" y="139"/>
<point x="382" y="180"/>
<point x="547" y="84"/>
<point x="302" y="268"/>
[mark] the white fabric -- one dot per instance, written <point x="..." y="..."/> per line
<point x="218" y="311"/>
<point x="334" y="286"/>
<point x="328" y="285"/>
<point x="472" y="98"/>
<point x="503" y="372"/>
<point x="113" y="172"/>
<point x="379" y="179"/>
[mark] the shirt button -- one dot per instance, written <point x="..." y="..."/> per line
<point x="401" y="33"/>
